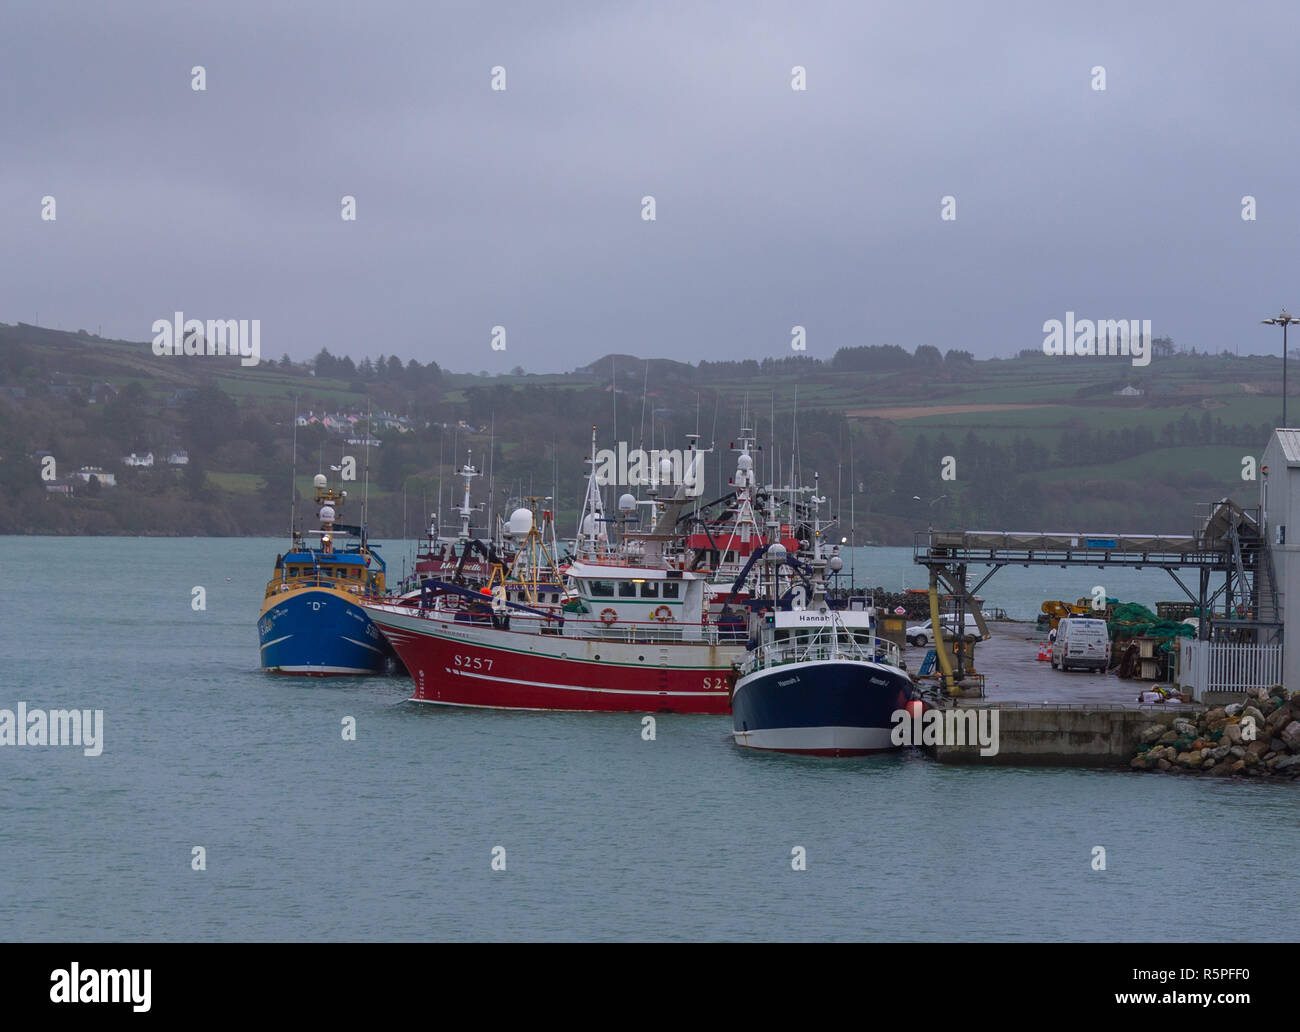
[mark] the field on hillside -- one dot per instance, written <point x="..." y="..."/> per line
<point x="1034" y="438"/>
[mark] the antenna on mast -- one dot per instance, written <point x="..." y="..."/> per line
<point x="591" y="521"/>
<point x="365" y="490"/>
<point x="293" y="473"/>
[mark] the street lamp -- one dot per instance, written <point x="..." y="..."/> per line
<point x="1284" y="320"/>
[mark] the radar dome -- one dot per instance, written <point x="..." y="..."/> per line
<point x="626" y="503"/>
<point x="836" y="564"/>
<point x="521" y="521"/>
<point x="327" y="513"/>
<point x="665" y="469"/>
<point x="745" y="462"/>
<point x="319" y="480"/>
<point x="776" y="553"/>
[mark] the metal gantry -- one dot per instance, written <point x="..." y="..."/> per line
<point x="1227" y="541"/>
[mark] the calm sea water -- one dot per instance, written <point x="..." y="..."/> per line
<point x="607" y="836"/>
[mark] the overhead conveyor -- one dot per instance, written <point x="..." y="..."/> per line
<point x="1228" y="541"/>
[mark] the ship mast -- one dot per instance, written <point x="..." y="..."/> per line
<point x="466" y="510"/>
<point x="746" y="524"/>
<point x="591" y="529"/>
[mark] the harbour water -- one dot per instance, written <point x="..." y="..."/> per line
<point x="606" y="835"/>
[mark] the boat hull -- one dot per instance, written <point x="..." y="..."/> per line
<point x="820" y="708"/>
<point x="455" y="663"/>
<point x="320" y="632"/>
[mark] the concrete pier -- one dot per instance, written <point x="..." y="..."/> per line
<point x="1047" y="716"/>
<point x="1062" y="736"/>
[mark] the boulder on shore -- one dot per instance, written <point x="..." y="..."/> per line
<point x="1151" y="733"/>
<point x="1291" y="735"/>
<point x="1251" y="740"/>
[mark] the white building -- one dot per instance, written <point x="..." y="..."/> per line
<point x="105" y="479"/>
<point x="1279" y="505"/>
<point x="178" y="458"/>
<point x="143" y="461"/>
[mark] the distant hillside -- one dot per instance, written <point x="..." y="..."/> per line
<point x="1032" y="441"/>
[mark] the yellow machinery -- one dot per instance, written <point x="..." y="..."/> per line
<point x="964" y="667"/>
<point x="1059" y="611"/>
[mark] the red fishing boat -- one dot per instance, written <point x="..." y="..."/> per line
<point x="621" y="630"/>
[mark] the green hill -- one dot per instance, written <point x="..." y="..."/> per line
<point x="1033" y="441"/>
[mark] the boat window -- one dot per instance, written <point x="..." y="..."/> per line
<point x="626" y="589"/>
<point x="602" y="588"/>
<point x="650" y="589"/>
<point x="670" y="589"/>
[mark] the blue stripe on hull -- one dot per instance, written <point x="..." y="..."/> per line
<point x="318" y="633"/>
<point x="832" y="694"/>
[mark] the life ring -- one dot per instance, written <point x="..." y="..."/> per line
<point x="662" y="613"/>
<point x="608" y="616"/>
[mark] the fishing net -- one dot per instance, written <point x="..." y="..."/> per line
<point x="1132" y="620"/>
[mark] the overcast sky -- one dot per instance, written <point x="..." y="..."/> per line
<point x="775" y="207"/>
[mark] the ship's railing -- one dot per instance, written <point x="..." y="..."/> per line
<point x="571" y="626"/>
<point x="281" y="586"/>
<point x="781" y="653"/>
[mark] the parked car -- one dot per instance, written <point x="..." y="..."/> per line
<point x="923" y="633"/>
<point x="1081" y="642"/>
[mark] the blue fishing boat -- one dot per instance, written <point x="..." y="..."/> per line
<point x="312" y="623"/>
<point x="815" y="679"/>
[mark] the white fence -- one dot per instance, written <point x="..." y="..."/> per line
<point x="1221" y="666"/>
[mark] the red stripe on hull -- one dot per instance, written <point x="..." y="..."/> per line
<point x="473" y="673"/>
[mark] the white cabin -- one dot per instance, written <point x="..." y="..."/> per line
<point x="619" y="597"/>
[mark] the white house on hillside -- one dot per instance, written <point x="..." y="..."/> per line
<point x="105" y="479"/>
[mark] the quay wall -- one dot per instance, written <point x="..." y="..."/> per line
<point x="1064" y="736"/>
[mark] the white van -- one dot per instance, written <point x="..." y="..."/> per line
<point x="922" y="634"/>
<point x="1081" y="642"/>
